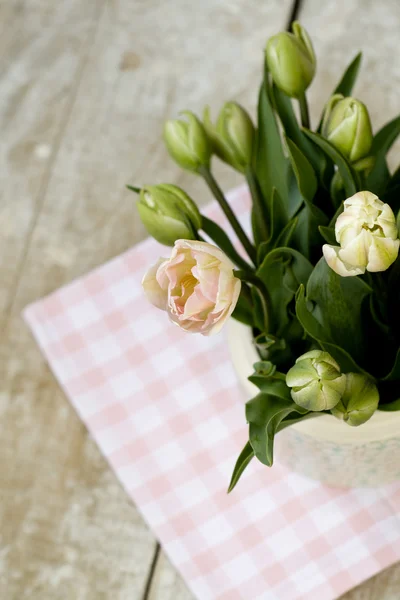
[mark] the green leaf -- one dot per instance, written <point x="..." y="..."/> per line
<point x="314" y="329"/>
<point x="379" y="176"/>
<point x="277" y="222"/>
<point x="244" y="309"/>
<point x="244" y="459"/>
<point x="295" y="199"/>
<point x="390" y="406"/>
<point x="305" y="174"/>
<point x="258" y="311"/>
<point x="270" y="161"/>
<point x="338" y="307"/>
<point x="137" y="190"/>
<point x="270" y="381"/>
<point x="264" y="414"/>
<point x="395" y="370"/>
<point x="218" y="235"/>
<point x="350" y="178"/>
<point x="307" y="236"/>
<point x="285" y="236"/>
<point x="346" y="84"/>
<point x="282" y="271"/>
<point x="284" y="108"/>
<point x="271" y="347"/>
<point x="328" y="233"/>
<point x="289" y="420"/>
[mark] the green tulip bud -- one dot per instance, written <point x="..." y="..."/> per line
<point x="168" y="213"/>
<point x="316" y="381"/>
<point x="233" y="135"/>
<point x="291" y="60"/>
<point x="187" y="142"/>
<point x="347" y="126"/>
<point x="359" y="401"/>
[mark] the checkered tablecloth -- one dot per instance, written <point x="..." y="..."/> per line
<point x="165" y="409"/>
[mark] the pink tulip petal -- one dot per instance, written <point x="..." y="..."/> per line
<point x="157" y="294"/>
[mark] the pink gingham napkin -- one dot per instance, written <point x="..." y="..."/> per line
<point x="165" y="409"/>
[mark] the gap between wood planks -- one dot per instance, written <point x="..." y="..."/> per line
<point x="293" y="15"/>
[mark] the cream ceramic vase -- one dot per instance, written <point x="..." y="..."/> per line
<point x="326" y="448"/>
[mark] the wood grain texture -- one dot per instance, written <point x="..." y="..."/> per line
<point x="85" y="88"/>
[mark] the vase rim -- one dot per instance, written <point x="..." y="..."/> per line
<point x="382" y="425"/>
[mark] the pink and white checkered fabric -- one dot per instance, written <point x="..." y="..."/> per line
<point x="165" y="409"/>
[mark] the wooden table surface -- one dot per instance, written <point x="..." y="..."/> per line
<point x="85" y="88"/>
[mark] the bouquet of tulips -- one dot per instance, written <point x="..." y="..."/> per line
<point x="318" y="282"/>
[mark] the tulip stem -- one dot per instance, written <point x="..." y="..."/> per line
<point x="230" y="215"/>
<point x="258" y="204"/>
<point x="218" y="235"/>
<point x="263" y="293"/>
<point x="304" y="112"/>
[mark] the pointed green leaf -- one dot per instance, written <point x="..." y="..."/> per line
<point x="285" y="236"/>
<point x="264" y="414"/>
<point x="270" y="161"/>
<point x="328" y="233"/>
<point x="284" y="108"/>
<point x="346" y="84"/>
<point x="307" y="236"/>
<point x="303" y="171"/>
<point x="133" y="189"/>
<point x="350" y="178"/>
<point x="277" y="222"/>
<point x="295" y="199"/>
<point x="244" y="459"/>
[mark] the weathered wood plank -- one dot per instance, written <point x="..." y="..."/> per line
<point x="83" y="113"/>
<point x="58" y="534"/>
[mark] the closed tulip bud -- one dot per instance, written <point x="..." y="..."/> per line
<point x="168" y="213"/>
<point x="232" y="137"/>
<point x="359" y="401"/>
<point x="187" y="142"/>
<point x="316" y="381"/>
<point x="347" y="126"/>
<point x="368" y="236"/>
<point x="291" y="60"/>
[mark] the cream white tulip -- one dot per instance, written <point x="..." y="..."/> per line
<point x="367" y="235"/>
